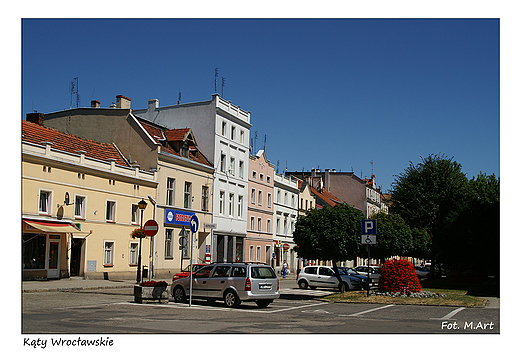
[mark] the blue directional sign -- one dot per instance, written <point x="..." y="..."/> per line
<point x="368" y="227"/>
<point x="194" y="223"/>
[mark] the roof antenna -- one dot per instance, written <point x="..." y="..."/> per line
<point x="179" y="101"/>
<point x="223" y="84"/>
<point x="74" y="91"/>
<point x="265" y="140"/>
<point x="216" y="75"/>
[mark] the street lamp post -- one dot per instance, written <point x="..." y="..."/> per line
<point x="142" y="205"/>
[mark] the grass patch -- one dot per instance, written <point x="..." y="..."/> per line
<point x="454" y="297"/>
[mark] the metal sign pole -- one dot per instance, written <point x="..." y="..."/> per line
<point x="368" y="268"/>
<point x="191" y="264"/>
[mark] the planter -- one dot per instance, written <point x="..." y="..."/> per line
<point x="150" y="293"/>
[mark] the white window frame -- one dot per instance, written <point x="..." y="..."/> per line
<point x="239" y="207"/>
<point x="111" y="249"/>
<point x="232" y="166"/>
<point x="168" y="244"/>
<point x="46" y="207"/>
<point x="231" y="204"/>
<point x="269" y="200"/>
<point x="82" y="204"/>
<point x="170" y="191"/>
<point x="222" y="195"/>
<point x="222" y="162"/>
<point x="253" y="196"/>
<point x="135" y="214"/>
<point x="259" y="224"/>
<point x="110" y="207"/>
<point x="133" y="248"/>
<point x="188" y="187"/>
<point x="205" y="198"/>
<point x="258" y="253"/>
<point x="260" y="195"/>
<point x="241" y="169"/>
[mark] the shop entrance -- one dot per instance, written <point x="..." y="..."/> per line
<point x="75" y="257"/>
<point x="53" y="259"/>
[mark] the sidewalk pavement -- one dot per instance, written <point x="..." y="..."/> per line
<point x="78" y="283"/>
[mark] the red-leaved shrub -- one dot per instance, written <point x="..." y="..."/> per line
<point x="398" y="275"/>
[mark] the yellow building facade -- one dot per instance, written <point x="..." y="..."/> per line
<point x="79" y="207"/>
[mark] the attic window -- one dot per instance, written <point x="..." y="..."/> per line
<point x="184" y="150"/>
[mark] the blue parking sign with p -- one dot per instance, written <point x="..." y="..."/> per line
<point x="369" y="227"/>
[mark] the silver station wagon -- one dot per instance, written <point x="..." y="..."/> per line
<point x="324" y="277"/>
<point x="232" y="283"/>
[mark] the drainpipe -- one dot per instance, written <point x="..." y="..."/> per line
<point x="152" y="243"/>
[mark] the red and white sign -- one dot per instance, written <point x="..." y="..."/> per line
<point x="151" y="228"/>
<point x="286" y="246"/>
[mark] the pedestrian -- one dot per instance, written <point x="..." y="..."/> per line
<point x="284" y="268"/>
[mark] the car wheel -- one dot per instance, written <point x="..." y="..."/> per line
<point x="178" y="294"/>
<point x="263" y="303"/>
<point x="231" y="299"/>
<point x="343" y="287"/>
<point x="303" y="284"/>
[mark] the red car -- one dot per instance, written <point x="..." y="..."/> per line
<point x="186" y="271"/>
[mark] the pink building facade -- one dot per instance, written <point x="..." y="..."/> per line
<point x="259" y="240"/>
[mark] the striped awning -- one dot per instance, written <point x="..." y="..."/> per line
<point x="52" y="226"/>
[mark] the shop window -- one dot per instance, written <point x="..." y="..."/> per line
<point x="33" y="251"/>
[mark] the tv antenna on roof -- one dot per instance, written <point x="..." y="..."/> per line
<point x="216" y="75"/>
<point x="223" y="84"/>
<point x="74" y="91"/>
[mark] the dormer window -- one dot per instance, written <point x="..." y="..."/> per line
<point x="184" y="150"/>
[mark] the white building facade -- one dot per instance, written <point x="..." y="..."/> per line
<point x="222" y="131"/>
<point x="286" y="194"/>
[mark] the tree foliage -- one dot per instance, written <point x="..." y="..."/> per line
<point x="394" y="237"/>
<point x="429" y="196"/>
<point x="474" y="235"/>
<point x="331" y="233"/>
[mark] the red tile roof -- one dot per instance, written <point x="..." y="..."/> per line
<point x="160" y="134"/>
<point x="37" y="134"/>
<point x="176" y="134"/>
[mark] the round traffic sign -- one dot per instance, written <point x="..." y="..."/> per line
<point x="194" y="223"/>
<point x="151" y="227"/>
<point x="286" y="246"/>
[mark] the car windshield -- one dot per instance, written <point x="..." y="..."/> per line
<point x="349" y="271"/>
<point x="262" y="272"/>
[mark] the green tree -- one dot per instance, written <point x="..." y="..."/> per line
<point x="331" y="233"/>
<point x="394" y="236"/>
<point x="430" y="196"/>
<point x="475" y="232"/>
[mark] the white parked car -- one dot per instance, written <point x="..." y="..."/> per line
<point x="324" y="276"/>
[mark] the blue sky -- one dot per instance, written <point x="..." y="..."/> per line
<point x="328" y="93"/>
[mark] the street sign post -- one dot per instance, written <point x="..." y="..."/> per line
<point x="194" y="226"/>
<point x="151" y="227"/>
<point x="368" y="237"/>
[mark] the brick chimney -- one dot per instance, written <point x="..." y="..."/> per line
<point x="95" y="104"/>
<point x="123" y="102"/>
<point x="35" y="118"/>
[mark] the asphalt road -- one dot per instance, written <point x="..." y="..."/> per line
<point x="112" y="311"/>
